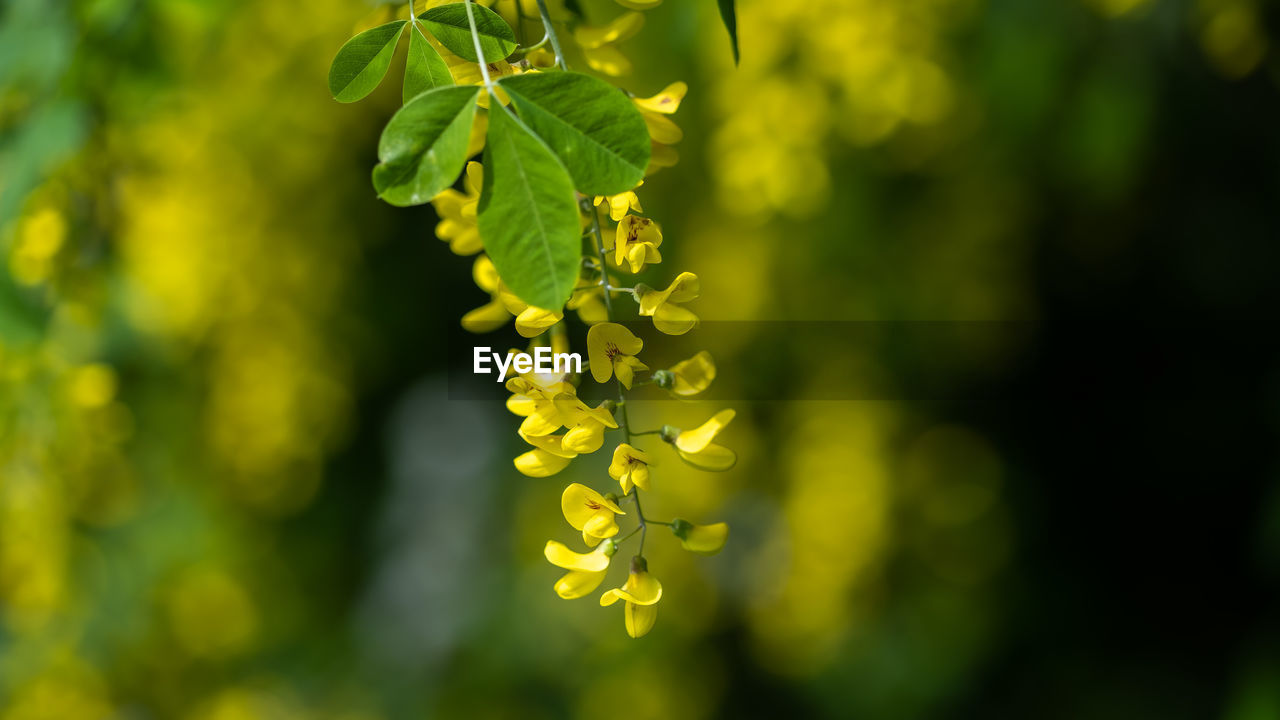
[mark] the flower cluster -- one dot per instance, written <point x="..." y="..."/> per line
<point x="556" y="423"/>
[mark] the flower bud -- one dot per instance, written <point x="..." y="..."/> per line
<point x="664" y="379"/>
<point x="669" y="433"/>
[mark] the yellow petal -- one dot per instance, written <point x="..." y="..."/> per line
<point x="705" y="539"/>
<point x="694" y="375"/>
<point x="553" y="444"/>
<point x="601" y="525"/>
<point x="662" y="129"/>
<point x="486" y="318"/>
<point x="621" y="28"/>
<point x="673" y="319"/>
<point x="585" y="438"/>
<point x="683" y="289"/>
<point x="540" y="463"/>
<point x="485" y="274"/>
<point x="665" y="102"/>
<point x="532" y="321"/>
<point x="639" y="619"/>
<point x="579" y="583"/>
<point x="715" y="458"/>
<point x="608" y="60"/>
<point x="580" y="503"/>
<point x="641" y="588"/>
<point x="693" y="441"/>
<point x="521" y="405"/>
<point x="559" y="554"/>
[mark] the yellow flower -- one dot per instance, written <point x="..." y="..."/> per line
<point x="656" y="109"/>
<point x="620" y="204"/>
<point x="664" y="305"/>
<point x="586" y="424"/>
<point x="533" y="398"/>
<point x="598" y="43"/>
<point x="457" y="211"/>
<point x="589" y="304"/>
<point x="586" y="570"/>
<point x="630" y="466"/>
<point x="642" y="592"/>
<point x="692" y="376"/>
<point x="590" y="512"/>
<point x="548" y="456"/>
<point x="636" y="242"/>
<point x="610" y="350"/>
<point x="695" y="446"/>
<point x="701" y="539"/>
<point x="530" y="321"/>
<point x="663" y="133"/>
<point x="493" y="314"/>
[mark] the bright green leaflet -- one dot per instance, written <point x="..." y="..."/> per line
<point x="730" y="17"/>
<point x="424" y="69"/>
<point x="362" y="62"/>
<point x="528" y="215"/>
<point x="423" y="147"/>
<point x="448" y="23"/>
<point x="594" y="129"/>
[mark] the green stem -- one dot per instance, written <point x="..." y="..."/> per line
<point x="475" y="39"/>
<point x="625" y="425"/>
<point x="551" y="34"/>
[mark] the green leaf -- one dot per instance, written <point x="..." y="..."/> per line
<point x="528" y="215"/>
<point x="362" y="62"/>
<point x="448" y="23"/>
<point x="730" y="17"/>
<point x="424" y="69"/>
<point x="594" y="129"/>
<point x="424" y="146"/>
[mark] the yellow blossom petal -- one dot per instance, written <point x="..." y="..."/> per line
<point x="693" y="441"/>
<point x="580" y="504"/>
<point x="715" y="458"/>
<point x="665" y="102"/>
<point x="641" y="588"/>
<point x="620" y="28"/>
<point x="694" y="375"/>
<point x="639" y="619"/>
<point x="579" y="583"/>
<point x="560" y="555"/>
<point x="540" y="463"/>
<point x="701" y="539"/>
<point x="486" y="318"/>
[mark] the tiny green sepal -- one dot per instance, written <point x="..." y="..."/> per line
<point x="680" y="528"/>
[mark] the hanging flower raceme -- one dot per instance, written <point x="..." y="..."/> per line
<point x="538" y="195"/>
<point x="641" y="592"/>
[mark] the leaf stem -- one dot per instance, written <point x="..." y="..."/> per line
<point x="475" y="39"/>
<point x="551" y="35"/>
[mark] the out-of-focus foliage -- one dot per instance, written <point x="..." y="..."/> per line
<point x="232" y="482"/>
